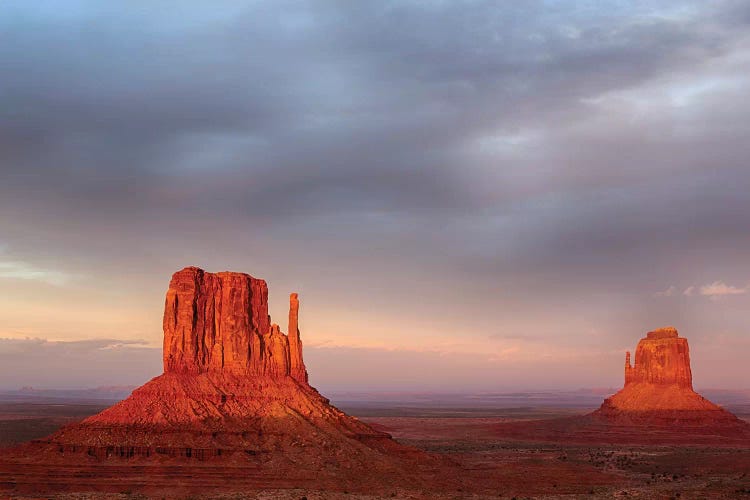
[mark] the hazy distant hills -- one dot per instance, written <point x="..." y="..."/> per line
<point x="737" y="401"/>
<point x="103" y="393"/>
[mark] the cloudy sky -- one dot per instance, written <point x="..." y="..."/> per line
<point x="467" y="195"/>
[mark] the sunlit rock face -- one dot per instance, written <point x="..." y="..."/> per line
<point x="296" y="365"/>
<point x="219" y="323"/>
<point x="662" y="358"/>
<point x="659" y="386"/>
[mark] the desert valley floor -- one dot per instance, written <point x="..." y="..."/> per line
<point x="491" y="462"/>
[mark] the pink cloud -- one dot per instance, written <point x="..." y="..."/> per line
<point x="719" y="289"/>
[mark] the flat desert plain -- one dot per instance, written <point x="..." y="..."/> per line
<point x="489" y="450"/>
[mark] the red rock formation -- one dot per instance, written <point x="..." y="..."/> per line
<point x="659" y="386"/>
<point x="232" y="383"/>
<point x="662" y="358"/>
<point x="216" y="322"/>
<point x="297" y="366"/>
<point x="656" y="406"/>
<point x="219" y="323"/>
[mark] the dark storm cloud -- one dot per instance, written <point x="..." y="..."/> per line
<point x="337" y="106"/>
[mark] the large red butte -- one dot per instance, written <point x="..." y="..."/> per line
<point x="233" y="385"/>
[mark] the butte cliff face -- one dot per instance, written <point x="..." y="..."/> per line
<point x="659" y="386"/>
<point x="662" y="358"/>
<point x="219" y="323"/>
<point x="233" y="385"/>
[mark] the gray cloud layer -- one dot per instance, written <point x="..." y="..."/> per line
<point x="538" y="160"/>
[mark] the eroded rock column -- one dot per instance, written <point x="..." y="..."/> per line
<point x="297" y="365"/>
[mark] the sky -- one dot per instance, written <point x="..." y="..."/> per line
<point x="468" y="195"/>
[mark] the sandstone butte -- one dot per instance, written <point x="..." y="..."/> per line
<point x="656" y="406"/>
<point x="659" y="387"/>
<point x="234" y="386"/>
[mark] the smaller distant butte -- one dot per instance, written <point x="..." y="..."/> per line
<point x="659" y="387"/>
<point x="657" y="405"/>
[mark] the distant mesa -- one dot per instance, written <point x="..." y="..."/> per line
<point x="659" y="387"/>
<point x="234" y="386"/>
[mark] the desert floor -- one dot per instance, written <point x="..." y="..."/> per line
<point x="489" y="462"/>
